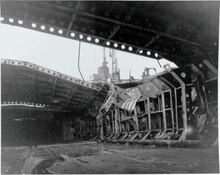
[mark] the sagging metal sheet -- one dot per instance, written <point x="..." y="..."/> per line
<point x="28" y="85"/>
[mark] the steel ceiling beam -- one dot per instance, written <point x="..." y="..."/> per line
<point x="117" y="28"/>
<point x="102" y="39"/>
<point x="153" y="39"/>
<point x="35" y="108"/>
<point x="162" y="34"/>
<point x="42" y="74"/>
<point x="34" y="84"/>
<point x="73" y="17"/>
<point x="70" y="97"/>
<point x="92" y="99"/>
<point x="54" y="88"/>
<point x="43" y="94"/>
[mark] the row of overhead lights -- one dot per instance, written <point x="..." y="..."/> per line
<point x="88" y="38"/>
<point x="24" y="103"/>
<point x="51" y="29"/>
<point x="27" y="103"/>
<point x="51" y="72"/>
<point x="20" y="119"/>
<point x="123" y="47"/>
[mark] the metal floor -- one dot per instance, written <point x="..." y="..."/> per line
<point x="90" y="157"/>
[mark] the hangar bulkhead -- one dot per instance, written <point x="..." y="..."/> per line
<point x="177" y="107"/>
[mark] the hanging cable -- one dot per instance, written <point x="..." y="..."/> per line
<point x="159" y="63"/>
<point x="79" y="60"/>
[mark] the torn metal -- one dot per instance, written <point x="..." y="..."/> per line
<point x="168" y="106"/>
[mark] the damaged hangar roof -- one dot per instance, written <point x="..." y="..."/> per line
<point x="26" y="85"/>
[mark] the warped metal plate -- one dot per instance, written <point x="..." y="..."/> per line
<point x="27" y="85"/>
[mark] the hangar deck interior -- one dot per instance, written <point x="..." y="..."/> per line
<point x="185" y="33"/>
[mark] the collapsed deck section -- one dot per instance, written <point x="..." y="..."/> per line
<point x="175" y="105"/>
<point x="26" y="85"/>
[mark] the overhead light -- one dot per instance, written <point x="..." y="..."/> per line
<point x="34" y="25"/>
<point x="60" y="31"/>
<point x="123" y="46"/>
<point x="42" y="27"/>
<point x="148" y="52"/>
<point x="2" y="18"/>
<point x="81" y="36"/>
<point x="97" y="40"/>
<point x="108" y="43"/>
<point x="89" y="38"/>
<point x="130" y="48"/>
<point x="72" y="34"/>
<point x="20" y="22"/>
<point x="51" y="29"/>
<point x="11" y="20"/>
<point x="115" y="45"/>
<point x="156" y="55"/>
<point x="17" y="119"/>
<point x="141" y="51"/>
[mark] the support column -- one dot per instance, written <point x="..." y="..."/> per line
<point x="116" y="120"/>
<point x="148" y="113"/>
<point x="164" y="112"/>
<point x="101" y="131"/>
<point x="183" y="99"/>
<point x="136" y="119"/>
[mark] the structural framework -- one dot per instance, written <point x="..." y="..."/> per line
<point x="185" y="33"/>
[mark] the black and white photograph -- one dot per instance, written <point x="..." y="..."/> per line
<point x="109" y="87"/>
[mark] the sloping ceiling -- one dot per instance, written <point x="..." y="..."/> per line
<point x="182" y="32"/>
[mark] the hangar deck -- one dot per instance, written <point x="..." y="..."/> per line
<point x="175" y="106"/>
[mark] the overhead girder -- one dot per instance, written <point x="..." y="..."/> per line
<point x="169" y="29"/>
<point x="44" y="86"/>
